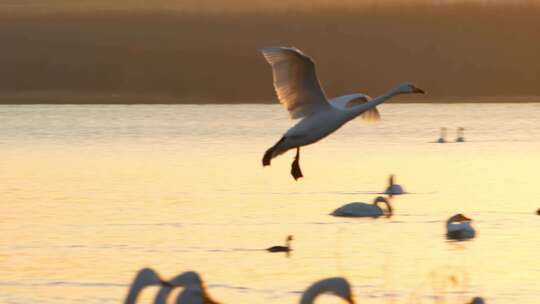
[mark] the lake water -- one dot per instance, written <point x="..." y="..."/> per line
<point x="91" y="194"/>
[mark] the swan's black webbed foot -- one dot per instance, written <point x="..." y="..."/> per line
<point x="296" y="172"/>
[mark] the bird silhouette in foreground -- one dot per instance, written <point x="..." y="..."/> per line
<point x="298" y="89"/>
<point x="191" y="281"/>
<point x="477" y="300"/>
<point x="144" y="278"/>
<point x="364" y="209"/>
<point x="287" y="248"/>
<point x="337" y="286"/>
<point x="458" y="227"/>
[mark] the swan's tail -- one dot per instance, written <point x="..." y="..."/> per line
<point x="272" y="152"/>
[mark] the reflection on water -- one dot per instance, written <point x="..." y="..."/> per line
<point x="91" y="194"/>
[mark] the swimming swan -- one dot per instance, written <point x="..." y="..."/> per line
<point x="145" y="277"/>
<point x="286" y="248"/>
<point x="364" y="209"/>
<point x="393" y="189"/>
<point x="442" y="138"/>
<point x="458" y="227"/>
<point x="188" y="279"/>
<point x="336" y="286"/>
<point x="460" y="137"/>
<point x="298" y="89"/>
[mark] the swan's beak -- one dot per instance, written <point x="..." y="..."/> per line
<point x="418" y="90"/>
<point x="350" y="300"/>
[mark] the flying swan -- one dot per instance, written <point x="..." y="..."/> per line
<point x="298" y="89"/>
<point x="458" y="227"/>
<point x="364" y="209"/>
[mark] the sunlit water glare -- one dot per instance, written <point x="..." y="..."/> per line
<point x="91" y="194"/>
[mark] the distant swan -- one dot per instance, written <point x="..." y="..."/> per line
<point x="336" y="286"/>
<point x="458" y="227"/>
<point x="298" y="89"/>
<point x="442" y="138"/>
<point x="286" y="248"/>
<point x="393" y="189"/>
<point x="460" y="137"/>
<point x="145" y="277"/>
<point x="188" y="279"/>
<point x="364" y="209"/>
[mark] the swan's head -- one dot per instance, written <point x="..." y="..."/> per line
<point x="380" y="199"/>
<point x="188" y="278"/>
<point x="337" y="286"/>
<point x="408" y="88"/>
<point x="459" y="218"/>
<point x="147" y="277"/>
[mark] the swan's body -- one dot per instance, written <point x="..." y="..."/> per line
<point x="458" y="227"/>
<point x="298" y="89"/>
<point x="442" y="138"/>
<point x="145" y="277"/>
<point x="364" y="209"/>
<point x="393" y="188"/>
<point x="286" y="248"/>
<point x="460" y="137"/>
<point x="188" y="279"/>
<point x="336" y="286"/>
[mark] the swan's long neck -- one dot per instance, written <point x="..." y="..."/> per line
<point x="450" y="221"/>
<point x="355" y="111"/>
<point x="388" y="206"/>
<point x="162" y="295"/>
<point x="133" y="293"/>
<point x="311" y="293"/>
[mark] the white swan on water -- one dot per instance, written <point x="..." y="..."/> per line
<point x="298" y="89"/>
<point x="458" y="227"/>
<point x="189" y="280"/>
<point x="364" y="209"/>
<point x="145" y="277"/>
<point x="460" y="137"/>
<point x="442" y="138"/>
<point x="337" y="286"/>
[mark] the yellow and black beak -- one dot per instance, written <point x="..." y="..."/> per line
<point x="418" y="90"/>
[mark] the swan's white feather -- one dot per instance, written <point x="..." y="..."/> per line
<point x="348" y="101"/>
<point x="295" y="81"/>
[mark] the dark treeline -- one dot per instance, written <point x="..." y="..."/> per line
<point x="451" y="50"/>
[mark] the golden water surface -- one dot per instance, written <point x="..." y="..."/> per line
<point x="91" y="194"/>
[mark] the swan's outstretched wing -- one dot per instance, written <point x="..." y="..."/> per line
<point x="349" y="101"/>
<point x="295" y="81"/>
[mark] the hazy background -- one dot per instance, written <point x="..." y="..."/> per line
<point x="206" y="51"/>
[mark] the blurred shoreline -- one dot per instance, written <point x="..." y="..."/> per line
<point x="102" y="98"/>
<point x="202" y="54"/>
